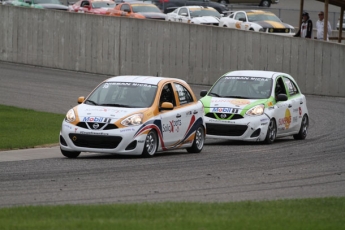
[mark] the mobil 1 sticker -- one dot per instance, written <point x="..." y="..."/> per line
<point x="224" y="110"/>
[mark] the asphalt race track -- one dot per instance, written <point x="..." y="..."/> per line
<point x="223" y="171"/>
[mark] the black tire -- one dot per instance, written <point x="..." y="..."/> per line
<point x="265" y="3"/>
<point x="199" y="140"/>
<point x="303" y="131"/>
<point x="151" y="144"/>
<point x="70" y="154"/>
<point x="271" y="132"/>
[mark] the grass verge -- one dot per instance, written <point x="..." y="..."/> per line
<point x="25" y="128"/>
<point x="319" y="213"/>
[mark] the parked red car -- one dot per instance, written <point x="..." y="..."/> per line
<point x="92" y="6"/>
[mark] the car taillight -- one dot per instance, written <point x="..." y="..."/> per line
<point x="163" y="1"/>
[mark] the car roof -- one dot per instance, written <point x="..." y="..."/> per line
<point x="255" y="73"/>
<point x="141" y="79"/>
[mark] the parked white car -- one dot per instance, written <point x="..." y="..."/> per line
<point x="195" y="14"/>
<point x="257" y="20"/>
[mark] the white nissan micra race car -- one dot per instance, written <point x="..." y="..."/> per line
<point x="255" y="106"/>
<point x="134" y="115"/>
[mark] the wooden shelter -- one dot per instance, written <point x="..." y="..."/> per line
<point x="339" y="3"/>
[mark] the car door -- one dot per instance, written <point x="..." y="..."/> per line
<point x="283" y="109"/>
<point x="185" y="109"/>
<point x="171" y="119"/>
<point x="296" y="102"/>
<point x="183" y="15"/>
<point x="241" y="21"/>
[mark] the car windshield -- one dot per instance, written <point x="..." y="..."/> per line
<point x="96" y="5"/>
<point x="47" y="1"/>
<point x="205" y="12"/>
<point x="242" y="87"/>
<point x="150" y="8"/>
<point x="262" y="17"/>
<point x="123" y="94"/>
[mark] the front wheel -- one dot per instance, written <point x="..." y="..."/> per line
<point x="303" y="131"/>
<point x="265" y="3"/>
<point x="70" y="154"/>
<point x="199" y="141"/>
<point x="151" y="143"/>
<point x="271" y="132"/>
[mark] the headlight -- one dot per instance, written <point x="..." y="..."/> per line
<point x="70" y="116"/>
<point x="256" y="110"/>
<point x="135" y="119"/>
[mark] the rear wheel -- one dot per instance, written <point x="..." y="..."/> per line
<point x="199" y="141"/>
<point x="70" y="154"/>
<point x="151" y="143"/>
<point x="271" y="132"/>
<point x="265" y="3"/>
<point x="303" y="131"/>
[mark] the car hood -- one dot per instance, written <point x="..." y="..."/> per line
<point x="228" y="105"/>
<point x="53" y="6"/>
<point x="272" y="24"/>
<point x="153" y="15"/>
<point x="103" y="114"/>
<point x="206" y="19"/>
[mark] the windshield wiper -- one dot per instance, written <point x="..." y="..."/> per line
<point x="236" y="97"/>
<point x="116" y="105"/>
<point x="92" y="102"/>
<point x="214" y="94"/>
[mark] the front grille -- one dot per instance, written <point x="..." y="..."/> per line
<point x="95" y="141"/>
<point x="225" y="130"/>
<point x="277" y="30"/>
<point x="227" y="115"/>
<point x="102" y="126"/>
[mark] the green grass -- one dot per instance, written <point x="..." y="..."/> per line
<point x="25" y="128"/>
<point x="313" y="214"/>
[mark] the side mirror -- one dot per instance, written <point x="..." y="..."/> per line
<point x="281" y="97"/>
<point x="242" y="19"/>
<point x="203" y="93"/>
<point x="127" y="10"/>
<point x="167" y="106"/>
<point x="81" y="100"/>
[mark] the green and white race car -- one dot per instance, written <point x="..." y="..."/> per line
<point x="255" y="106"/>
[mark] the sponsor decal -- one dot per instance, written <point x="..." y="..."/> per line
<point x="173" y="126"/>
<point x="94" y="133"/>
<point x="68" y="126"/>
<point x="264" y="123"/>
<point x="239" y="102"/>
<point x="286" y="121"/>
<point x="222" y="121"/>
<point x="142" y="141"/>
<point x="220" y="100"/>
<point x="270" y="104"/>
<point x="75" y="130"/>
<point x="126" y="130"/>
<point x="264" y="119"/>
<point x="300" y="111"/>
<point x="105" y="110"/>
<point x="96" y="119"/>
<point x="224" y="110"/>
<point x="238" y="25"/>
<point x="189" y="113"/>
<point x="294" y="119"/>
<point x="295" y="110"/>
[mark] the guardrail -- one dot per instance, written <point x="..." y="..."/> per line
<point x="195" y="53"/>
